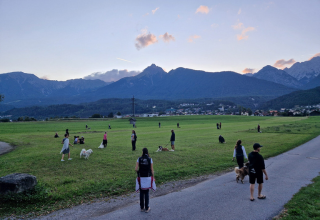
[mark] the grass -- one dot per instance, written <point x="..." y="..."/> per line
<point x="305" y="204"/>
<point x="110" y="171"/>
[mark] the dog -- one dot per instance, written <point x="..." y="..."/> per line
<point x="241" y="173"/>
<point x="162" y="149"/>
<point x="85" y="153"/>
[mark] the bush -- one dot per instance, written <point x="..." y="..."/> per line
<point x="5" y="120"/>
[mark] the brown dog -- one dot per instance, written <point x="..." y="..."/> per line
<point x="162" y="149"/>
<point x="241" y="173"/>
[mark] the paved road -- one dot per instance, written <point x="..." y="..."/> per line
<point x="223" y="198"/>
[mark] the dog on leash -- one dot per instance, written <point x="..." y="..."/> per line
<point x="85" y="153"/>
<point x="162" y="149"/>
<point x="241" y="173"/>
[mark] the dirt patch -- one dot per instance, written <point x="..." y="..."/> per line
<point x="109" y="204"/>
<point x="5" y="148"/>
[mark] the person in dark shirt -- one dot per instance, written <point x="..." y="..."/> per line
<point x="220" y="125"/>
<point x="217" y="125"/>
<point x="256" y="170"/>
<point x="172" y="139"/>
<point x="258" y="128"/>
<point x="159" y="124"/>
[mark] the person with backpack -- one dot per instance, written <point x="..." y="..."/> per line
<point x="145" y="180"/>
<point x="239" y="152"/>
<point x="133" y="140"/>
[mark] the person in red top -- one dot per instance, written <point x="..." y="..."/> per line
<point x="105" y="141"/>
<point x="258" y="128"/>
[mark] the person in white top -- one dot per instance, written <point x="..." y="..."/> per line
<point x="239" y="152"/>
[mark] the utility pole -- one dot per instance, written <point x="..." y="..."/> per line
<point x="133" y="106"/>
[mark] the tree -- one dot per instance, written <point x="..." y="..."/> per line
<point x="249" y="111"/>
<point x="96" y="116"/>
<point x="110" y="115"/>
<point x="119" y="113"/>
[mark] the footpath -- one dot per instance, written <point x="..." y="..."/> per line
<point x="223" y="198"/>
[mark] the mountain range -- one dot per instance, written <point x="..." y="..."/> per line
<point x="304" y="75"/>
<point x="23" y="89"/>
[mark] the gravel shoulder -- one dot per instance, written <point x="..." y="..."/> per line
<point x="5" y="148"/>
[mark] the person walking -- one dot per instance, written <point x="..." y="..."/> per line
<point x="258" y="128"/>
<point x="144" y="169"/>
<point x="239" y="152"/>
<point x="172" y="139"/>
<point x="217" y="125"/>
<point x="178" y="125"/>
<point x="159" y="124"/>
<point x="65" y="147"/>
<point x="133" y="140"/>
<point x="67" y="131"/>
<point x="109" y="126"/>
<point x="256" y="170"/>
<point x="105" y="140"/>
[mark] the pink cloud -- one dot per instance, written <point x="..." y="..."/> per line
<point x="243" y="35"/>
<point x="203" y="9"/>
<point x="144" y="40"/>
<point x="282" y="63"/>
<point x="154" y="11"/>
<point x="45" y="77"/>
<point x="167" y="37"/>
<point x="239" y="12"/>
<point x="239" y="25"/>
<point x="248" y="70"/>
<point x="316" y="55"/>
<point x="191" y="38"/>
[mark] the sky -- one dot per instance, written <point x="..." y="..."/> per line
<point x="67" y="39"/>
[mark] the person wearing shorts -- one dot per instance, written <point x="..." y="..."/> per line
<point x="105" y="141"/>
<point x="172" y="139"/>
<point x="65" y="148"/>
<point x="256" y="171"/>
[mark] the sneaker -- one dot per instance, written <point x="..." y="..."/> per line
<point x="142" y="210"/>
<point x="62" y="160"/>
<point x="147" y="210"/>
<point x="70" y="159"/>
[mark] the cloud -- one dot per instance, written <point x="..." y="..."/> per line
<point x="316" y="55"/>
<point x="203" y="9"/>
<point x="178" y="16"/>
<point x="239" y="12"/>
<point x="191" y="38"/>
<point x="248" y="70"/>
<point x="243" y="35"/>
<point x="167" y="37"/>
<point x="146" y="14"/>
<point x="45" y="77"/>
<point x="214" y="25"/>
<point x="125" y="60"/>
<point x="154" y="11"/>
<point x="144" y="40"/>
<point x="237" y="26"/>
<point x="282" y="63"/>
<point x="112" y="75"/>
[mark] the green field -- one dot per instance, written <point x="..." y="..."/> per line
<point x="110" y="171"/>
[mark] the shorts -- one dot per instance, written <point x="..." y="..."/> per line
<point x="66" y="151"/>
<point x="105" y="142"/>
<point x="172" y="142"/>
<point x="256" y="176"/>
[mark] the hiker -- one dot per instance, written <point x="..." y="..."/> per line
<point x="221" y="139"/>
<point x="220" y="125"/>
<point x="159" y="124"/>
<point x="217" y="125"/>
<point x="239" y="152"/>
<point x="56" y="135"/>
<point x="105" y="141"/>
<point x="109" y="126"/>
<point x="82" y="140"/>
<point x="133" y="140"/>
<point x="65" y="148"/>
<point x="258" y="128"/>
<point x="145" y="180"/>
<point x="172" y="139"/>
<point x="256" y="170"/>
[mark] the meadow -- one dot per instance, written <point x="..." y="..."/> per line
<point x="110" y="171"/>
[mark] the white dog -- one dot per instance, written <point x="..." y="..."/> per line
<point x="85" y="153"/>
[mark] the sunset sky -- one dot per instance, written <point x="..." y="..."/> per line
<point x="66" y="39"/>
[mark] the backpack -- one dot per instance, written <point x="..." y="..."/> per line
<point x="135" y="137"/>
